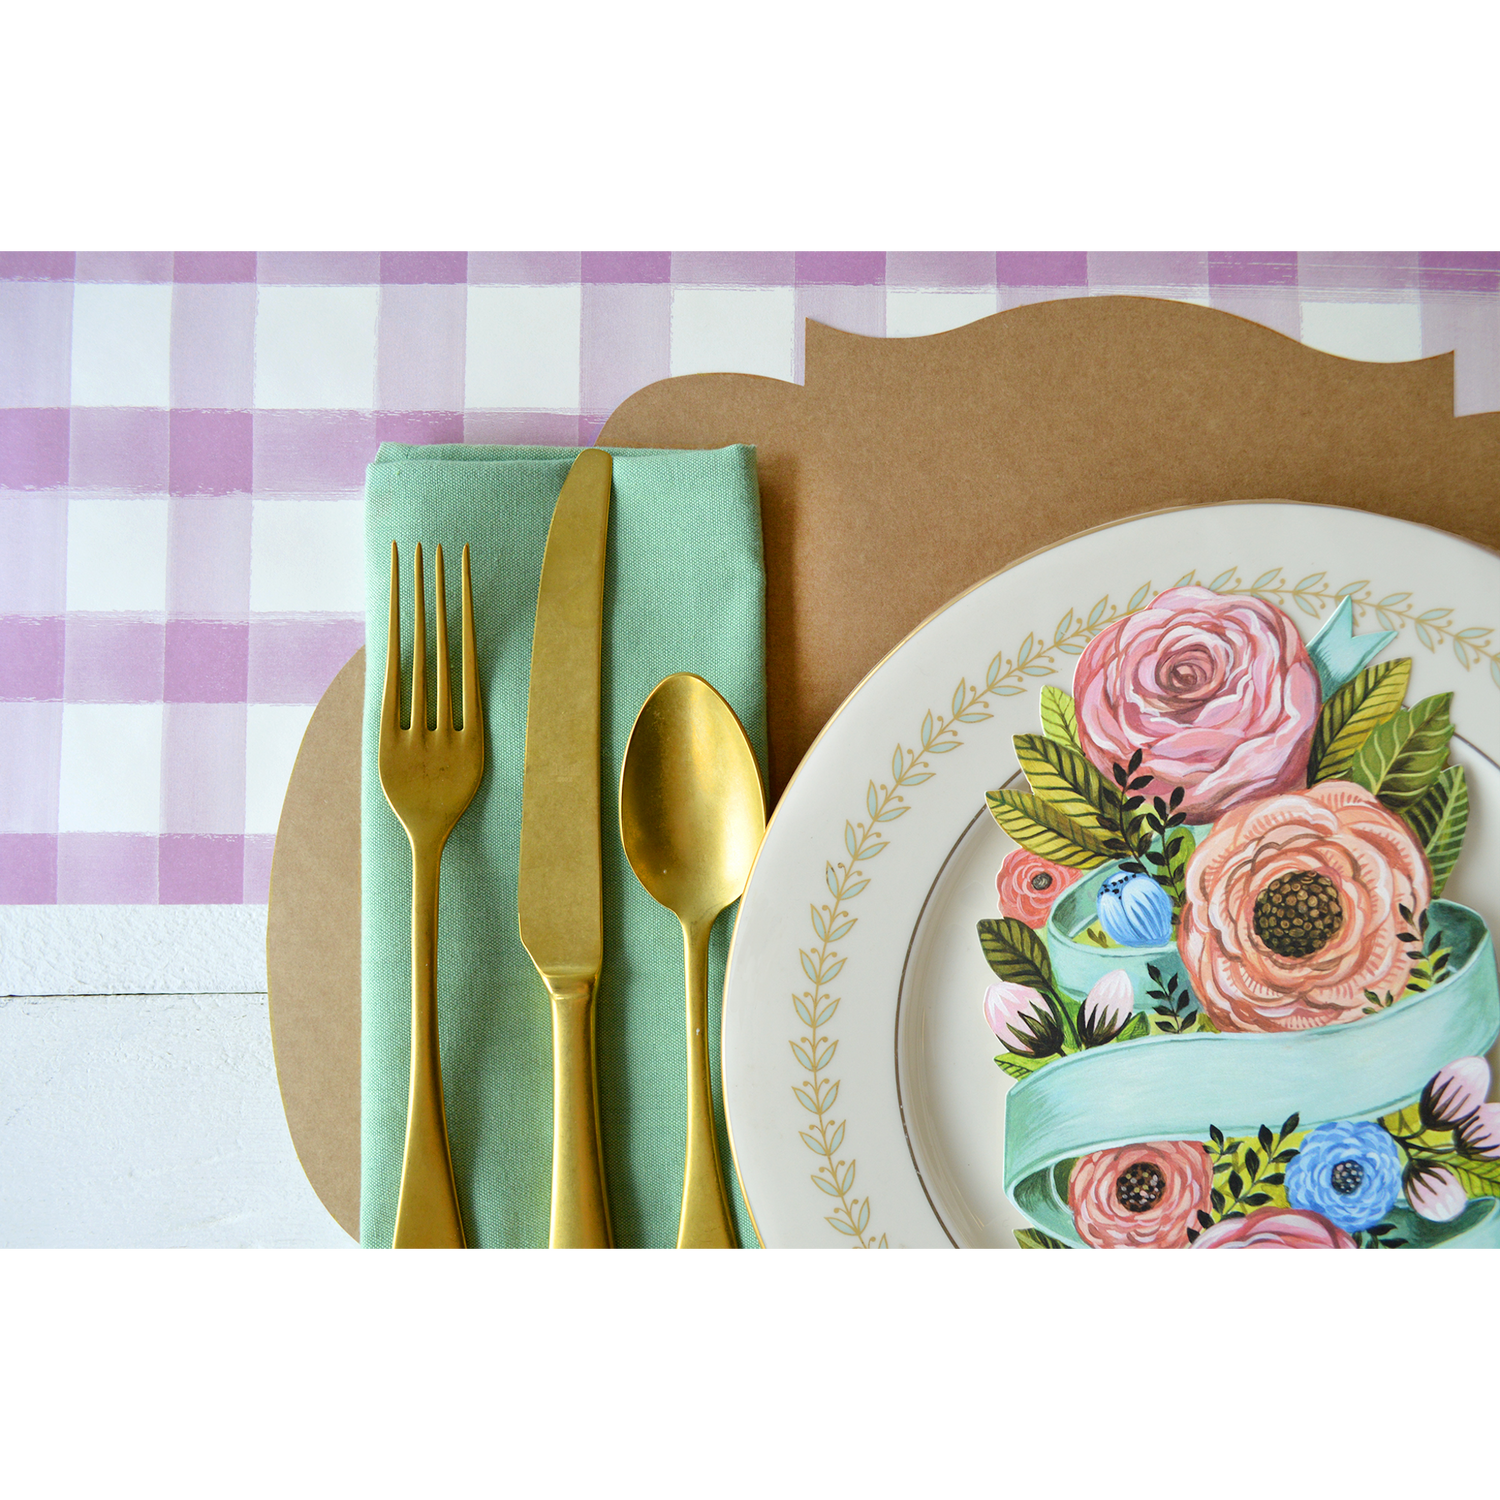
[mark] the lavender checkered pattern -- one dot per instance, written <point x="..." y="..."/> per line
<point x="183" y="440"/>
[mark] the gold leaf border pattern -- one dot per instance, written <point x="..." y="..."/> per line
<point x="1007" y="676"/>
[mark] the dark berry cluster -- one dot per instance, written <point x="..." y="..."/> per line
<point x="1298" y="913"/>
<point x="1140" y="1187"/>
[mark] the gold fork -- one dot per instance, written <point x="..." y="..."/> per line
<point x="429" y="777"/>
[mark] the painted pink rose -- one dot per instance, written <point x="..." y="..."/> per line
<point x="1216" y="691"/>
<point x="1029" y="884"/>
<point x="1144" y="1195"/>
<point x="1292" y="909"/>
<point x="1275" y="1229"/>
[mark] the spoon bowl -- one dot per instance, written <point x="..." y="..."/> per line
<point x="692" y="812"/>
<point x="692" y="815"/>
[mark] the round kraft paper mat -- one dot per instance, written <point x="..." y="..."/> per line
<point x="312" y="947"/>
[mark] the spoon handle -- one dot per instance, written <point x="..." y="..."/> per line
<point x="705" y="1222"/>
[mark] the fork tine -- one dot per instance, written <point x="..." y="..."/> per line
<point x="470" y="661"/>
<point x="444" y="706"/>
<point x="419" y="651"/>
<point x="390" y="713"/>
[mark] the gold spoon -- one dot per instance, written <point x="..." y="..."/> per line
<point x="692" y="815"/>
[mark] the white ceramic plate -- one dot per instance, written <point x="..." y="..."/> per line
<point x="864" y="1103"/>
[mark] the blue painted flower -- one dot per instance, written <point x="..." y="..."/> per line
<point x="1135" y="911"/>
<point x="1349" y="1171"/>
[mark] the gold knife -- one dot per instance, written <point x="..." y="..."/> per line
<point x="561" y="888"/>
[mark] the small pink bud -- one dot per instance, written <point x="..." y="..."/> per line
<point x="1479" y="1135"/>
<point x="1454" y="1093"/>
<point x="1110" y="1003"/>
<point x="1019" y="1017"/>
<point x="1435" y="1193"/>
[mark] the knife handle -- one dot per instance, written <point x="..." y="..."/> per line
<point x="580" y="1210"/>
<point x="705" y="1223"/>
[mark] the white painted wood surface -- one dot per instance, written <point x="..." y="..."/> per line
<point x="138" y="1097"/>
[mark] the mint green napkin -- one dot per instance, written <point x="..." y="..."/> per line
<point x="684" y="591"/>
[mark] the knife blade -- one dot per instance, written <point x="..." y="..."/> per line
<point x="561" y="884"/>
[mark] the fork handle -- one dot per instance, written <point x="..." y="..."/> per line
<point x="580" y="1210"/>
<point x="427" y="1212"/>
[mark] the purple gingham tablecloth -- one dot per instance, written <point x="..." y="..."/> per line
<point x="183" y="438"/>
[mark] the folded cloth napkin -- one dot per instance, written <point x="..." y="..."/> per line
<point x="684" y="592"/>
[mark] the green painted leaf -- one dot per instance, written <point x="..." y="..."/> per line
<point x="1479" y="1179"/>
<point x="1059" y="719"/>
<point x="1402" y="757"/>
<point x="1034" y="1239"/>
<point x="1019" y="1066"/>
<point x="1180" y="847"/>
<point x="1064" y="777"/>
<point x="1139" y="1026"/>
<point x="1369" y="698"/>
<point x="1015" y="952"/>
<point x="1439" y="817"/>
<point x="1037" y="825"/>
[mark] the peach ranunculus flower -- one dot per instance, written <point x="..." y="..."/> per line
<point x="1029" y="884"/>
<point x="1275" y="1229"/>
<point x="1146" y="1195"/>
<point x="1216" y="691"/>
<point x="1292" y="909"/>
